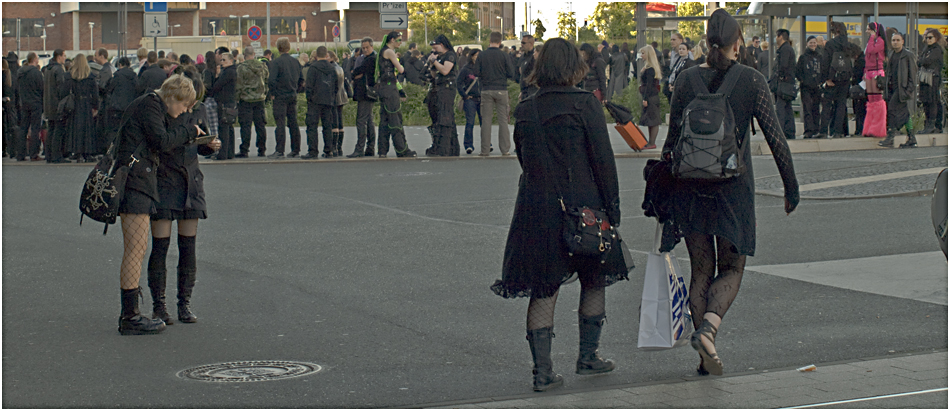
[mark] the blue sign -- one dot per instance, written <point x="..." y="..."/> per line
<point x="156" y="7"/>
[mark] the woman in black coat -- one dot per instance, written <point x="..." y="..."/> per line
<point x="931" y="60"/>
<point x="595" y="81"/>
<point x="81" y="138"/>
<point x="717" y="219"/>
<point x="181" y="198"/>
<point x="145" y="133"/>
<point x="572" y="148"/>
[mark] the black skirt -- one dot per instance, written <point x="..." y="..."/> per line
<point x="651" y="113"/>
<point x="136" y="202"/>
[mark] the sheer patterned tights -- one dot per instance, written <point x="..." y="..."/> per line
<point x="135" y="236"/>
<point x="710" y="293"/>
<point x="541" y="310"/>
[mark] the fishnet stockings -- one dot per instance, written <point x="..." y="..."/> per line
<point x="135" y="235"/>
<point x="592" y="303"/>
<point x="709" y="294"/>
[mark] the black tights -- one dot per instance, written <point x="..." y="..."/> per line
<point x="541" y="310"/>
<point x="708" y="292"/>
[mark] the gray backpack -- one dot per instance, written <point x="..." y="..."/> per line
<point x="708" y="148"/>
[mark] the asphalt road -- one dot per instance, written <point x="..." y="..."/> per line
<point x="378" y="271"/>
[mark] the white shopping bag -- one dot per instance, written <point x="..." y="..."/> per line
<point x="664" y="307"/>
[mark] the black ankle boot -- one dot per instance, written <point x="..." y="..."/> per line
<point x="589" y="361"/>
<point x="911" y="140"/>
<point x="540" y="342"/>
<point x="133" y="323"/>
<point x="156" y="279"/>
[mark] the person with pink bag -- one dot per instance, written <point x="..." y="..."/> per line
<point x="875" y="123"/>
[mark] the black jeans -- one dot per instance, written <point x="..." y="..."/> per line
<point x="320" y="114"/>
<point x="252" y="113"/>
<point x="786" y="117"/>
<point x="285" y="115"/>
<point x="225" y="133"/>
<point x="31" y="118"/>
<point x="811" y="110"/>
<point x="365" y="129"/>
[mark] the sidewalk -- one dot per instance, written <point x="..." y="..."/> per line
<point x="898" y="381"/>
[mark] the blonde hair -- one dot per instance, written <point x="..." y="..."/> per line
<point x="80" y="69"/>
<point x="649" y="56"/>
<point x="177" y="88"/>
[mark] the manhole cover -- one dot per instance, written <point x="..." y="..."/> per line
<point x="250" y="371"/>
<point x="407" y="174"/>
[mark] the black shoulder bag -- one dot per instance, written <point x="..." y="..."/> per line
<point x="104" y="187"/>
<point x="587" y="231"/>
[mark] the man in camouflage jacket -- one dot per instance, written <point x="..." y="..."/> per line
<point x="252" y="75"/>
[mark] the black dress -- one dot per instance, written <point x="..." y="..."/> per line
<point x="180" y="181"/>
<point x="576" y="147"/>
<point x="727" y="209"/>
<point x="650" y="94"/>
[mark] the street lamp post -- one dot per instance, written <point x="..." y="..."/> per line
<point x="426" y="19"/>
<point x="170" y="31"/>
<point x="91" y="46"/>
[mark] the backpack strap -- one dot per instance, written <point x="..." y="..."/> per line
<point x="729" y="82"/>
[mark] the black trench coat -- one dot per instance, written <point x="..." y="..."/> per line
<point x="578" y="152"/>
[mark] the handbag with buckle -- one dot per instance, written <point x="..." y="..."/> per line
<point x="587" y="231"/>
<point x="104" y="187"/>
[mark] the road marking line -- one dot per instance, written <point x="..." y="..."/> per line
<point x="880" y="397"/>
<point x="868" y="179"/>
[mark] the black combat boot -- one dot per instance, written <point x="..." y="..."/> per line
<point x="133" y="323"/>
<point x="540" y="342"/>
<point x="589" y="361"/>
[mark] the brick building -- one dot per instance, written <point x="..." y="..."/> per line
<point x="67" y="24"/>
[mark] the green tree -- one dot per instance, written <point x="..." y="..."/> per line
<point x="538" y="30"/>
<point x="456" y="20"/>
<point x="614" y="20"/>
<point x="566" y="25"/>
<point x="692" y="29"/>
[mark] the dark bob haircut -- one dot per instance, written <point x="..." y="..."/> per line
<point x="558" y="64"/>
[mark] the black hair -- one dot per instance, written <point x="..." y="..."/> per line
<point x="722" y="32"/>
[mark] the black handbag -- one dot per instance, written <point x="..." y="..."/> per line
<point x="104" y="187"/>
<point x="587" y="231"/>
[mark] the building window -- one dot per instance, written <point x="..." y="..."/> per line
<point x="27" y="27"/>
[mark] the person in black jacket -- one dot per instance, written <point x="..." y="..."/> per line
<point x="80" y="128"/>
<point x="441" y="99"/>
<point x="784" y="73"/>
<point x="152" y="77"/>
<point x="223" y="93"/>
<point x="55" y="147"/>
<point x="181" y="197"/>
<point x="571" y="149"/>
<point x="321" y="105"/>
<point x="808" y="73"/>
<point x="284" y="82"/>
<point x="471" y="95"/>
<point x="834" y="114"/>
<point x="493" y="71"/>
<point x="144" y="134"/>
<point x="364" y="77"/>
<point x="30" y="92"/>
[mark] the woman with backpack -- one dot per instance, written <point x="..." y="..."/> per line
<point x="563" y="148"/>
<point x="650" y="75"/>
<point x="717" y="216"/>
<point x="181" y="198"/>
<point x="80" y="130"/>
<point x="875" y="119"/>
